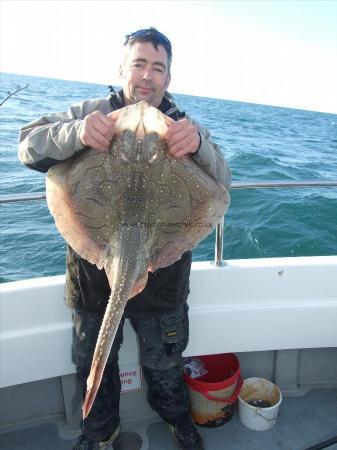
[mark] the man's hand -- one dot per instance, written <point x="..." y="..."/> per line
<point x="182" y="138"/>
<point x="98" y="130"/>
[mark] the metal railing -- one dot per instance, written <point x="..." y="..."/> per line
<point x="218" y="261"/>
<point x="14" y="198"/>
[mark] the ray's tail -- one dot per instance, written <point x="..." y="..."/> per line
<point x="121" y="278"/>
<point x="93" y="383"/>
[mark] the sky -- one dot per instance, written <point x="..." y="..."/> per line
<point x="272" y="52"/>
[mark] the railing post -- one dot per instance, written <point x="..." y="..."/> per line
<point x="219" y="232"/>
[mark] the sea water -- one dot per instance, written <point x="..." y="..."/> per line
<point x="260" y="143"/>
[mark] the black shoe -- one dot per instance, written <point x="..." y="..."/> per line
<point x="187" y="436"/>
<point x="84" y="443"/>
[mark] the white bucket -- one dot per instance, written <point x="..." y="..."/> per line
<point x="255" y="417"/>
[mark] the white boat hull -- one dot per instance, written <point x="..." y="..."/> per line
<point x="246" y="306"/>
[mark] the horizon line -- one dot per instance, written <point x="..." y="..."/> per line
<point x="298" y="108"/>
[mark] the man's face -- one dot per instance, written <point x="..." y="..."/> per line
<point x="145" y="73"/>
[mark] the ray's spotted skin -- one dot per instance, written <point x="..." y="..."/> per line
<point x="131" y="210"/>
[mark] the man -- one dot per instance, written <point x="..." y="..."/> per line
<point x="159" y="313"/>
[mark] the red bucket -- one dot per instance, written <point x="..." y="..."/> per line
<point x="213" y="395"/>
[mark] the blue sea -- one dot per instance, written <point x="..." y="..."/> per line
<point x="260" y="142"/>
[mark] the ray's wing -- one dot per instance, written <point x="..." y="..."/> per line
<point x="61" y="206"/>
<point x="79" y="196"/>
<point x="191" y="206"/>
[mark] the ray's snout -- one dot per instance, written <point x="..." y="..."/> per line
<point x="141" y="129"/>
<point x="141" y="119"/>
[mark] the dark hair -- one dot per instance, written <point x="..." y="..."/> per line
<point x="151" y="35"/>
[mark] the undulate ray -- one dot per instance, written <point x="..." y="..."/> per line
<point x="131" y="210"/>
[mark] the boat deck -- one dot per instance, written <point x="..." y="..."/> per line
<point x="303" y="422"/>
